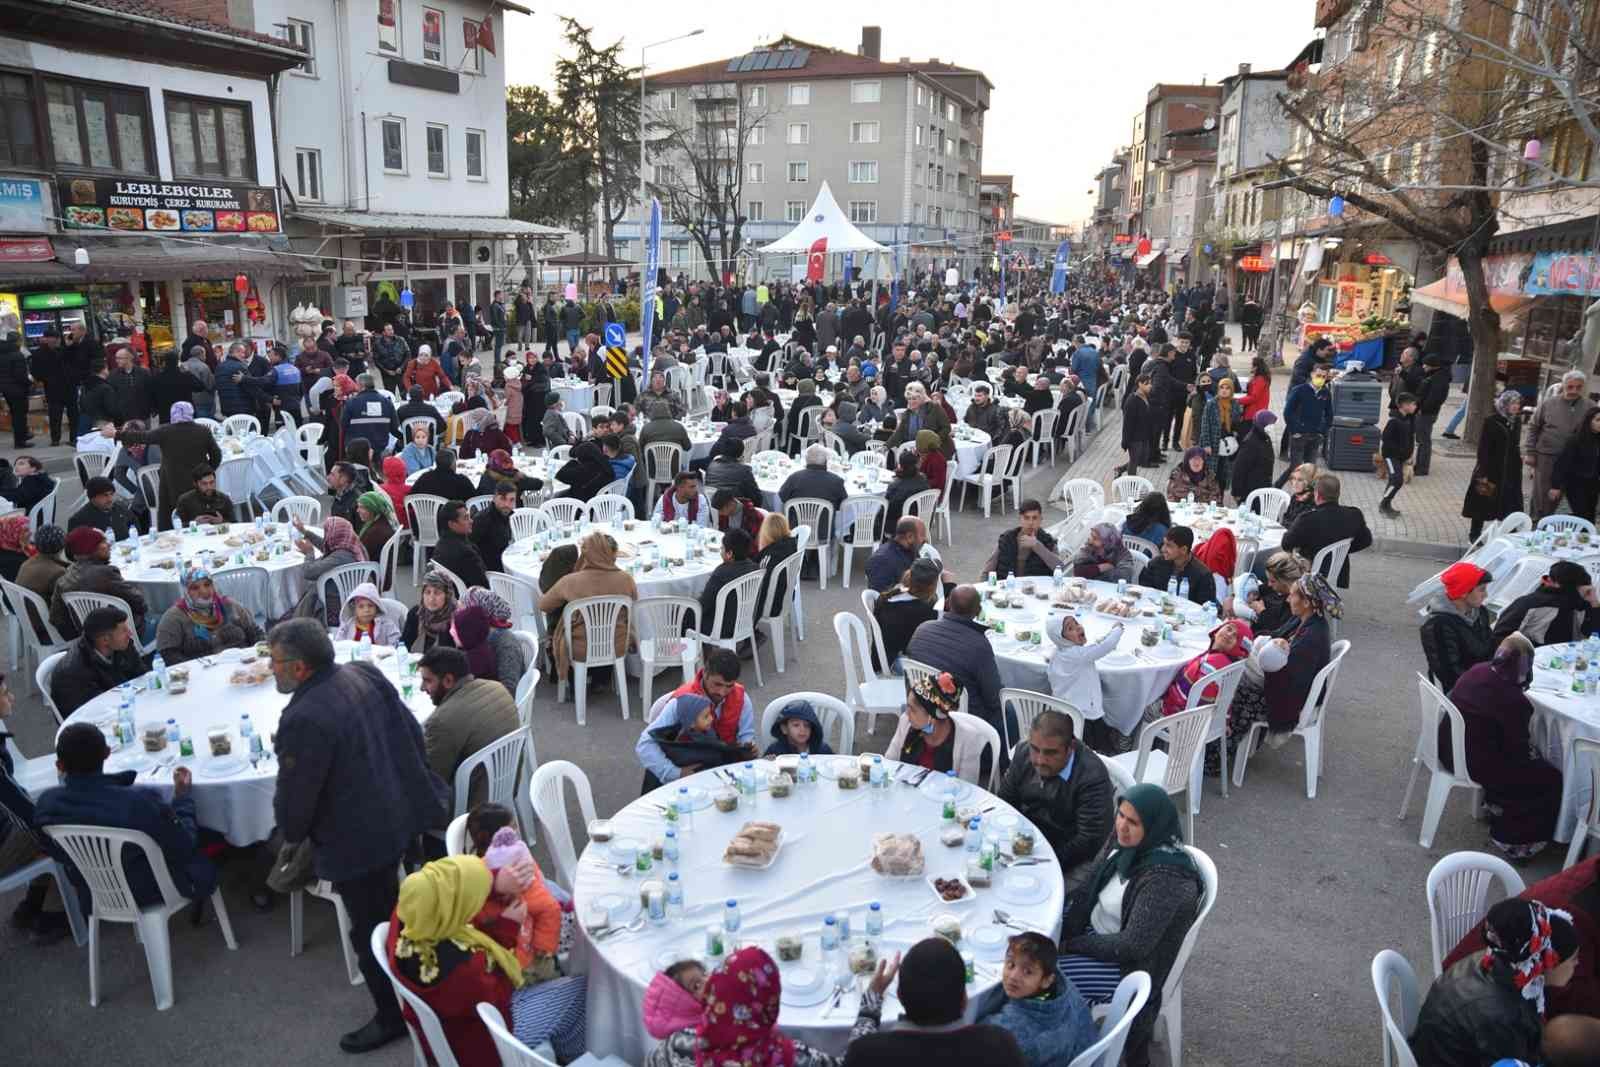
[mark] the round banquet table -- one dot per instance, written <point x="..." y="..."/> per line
<point x="1561" y="717"/>
<point x="1130" y="677"/>
<point x="231" y="796"/>
<point x="159" y="584"/>
<point x="700" y="551"/>
<point x="1568" y="547"/>
<point x="971" y="446"/>
<point x="771" y="473"/>
<point x="576" y="393"/>
<point x="1204" y="522"/>
<point x="821" y="869"/>
<point x="703" y="433"/>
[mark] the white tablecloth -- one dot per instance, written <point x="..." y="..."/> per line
<point x="872" y="480"/>
<point x="525" y="557"/>
<point x="236" y="802"/>
<point x="971" y="446"/>
<point x="1561" y="717"/>
<point x="1130" y="678"/>
<point x="576" y="393"/>
<point x="532" y="466"/>
<point x="821" y="869"/>
<point x="160" y="584"/>
<point x="1204" y="523"/>
<point x="1570" y="547"/>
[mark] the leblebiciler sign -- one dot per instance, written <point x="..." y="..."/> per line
<point x="132" y="205"/>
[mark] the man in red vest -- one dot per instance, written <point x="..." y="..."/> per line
<point x="733" y="718"/>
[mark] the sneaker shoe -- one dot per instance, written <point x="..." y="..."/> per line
<point x="1451" y="436"/>
<point x="1389" y="511"/>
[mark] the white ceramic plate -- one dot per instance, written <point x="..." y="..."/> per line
<point x="797" y="997"/>
<point x="937" y="785"/>
<point x="699" y="797"/>
<point x="971" y="896"/>
<point x="616" y="848"/>
<point x="130" y="759"/>
<point x="1005" y="822"/>
<point x="620" y="907"/>
<point x="989" y="942"/>
<point x="1022" y="885"/>
<point x="1118" y="659"/>
<point x="220" y="767"/>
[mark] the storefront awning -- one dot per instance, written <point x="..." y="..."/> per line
<point x="118" y="259"/>
<point x="391" y="222"/>
<point x="1149" y="258"/>
<point x="1441" y="296"/>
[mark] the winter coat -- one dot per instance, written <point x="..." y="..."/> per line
<point x="733" y="475"/>
<point x="770" y="557"/>
<point x="668" y="1007"/>
<point x="92" y="576"/>
<point x="1547" y="616"/>
<point x="961" y="646"/>
<point x="1452" y="642"/>
<point x="1252" y="464"/>
<point x="184" y="445"/>
<point x="1308" y="410"/>
<point x="1073" y="813"/>
<point x="1399" y="439"/>
<point x="1434" y="392"/>
<point x="179" y="640"/>
<point x="1137" y="422"/>
<point x="1473" y="1017"/>
<point x="98" y="402"/>
<point x="577" y="586"/>
<point x="1554" y="422"/>
<point x="1205" y="491"/>
<point x="460" y="557"/>
<point x="1322" y="526"/>
<point x="384" y="630"/>
<point x="782" y="746"/>
<point x="933" y="418"/>
<point x="586" y="472"/>
<point x="1257" y="396"/>
<point x="14" y="377"/>
<point x="431" y="376"/>
<point x="1050" y="1030"/>
<point x="475" y="714"/>
<point x="231" y="396"/>
<point x="83" y="675"/>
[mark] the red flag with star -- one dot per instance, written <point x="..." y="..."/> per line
<point x="818" y="256"/>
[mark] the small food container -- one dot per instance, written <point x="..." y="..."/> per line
<point x="790" y="949"/>
<point x="262" y="649"/>
<point x="978" y="876"/>
<point x="779" y="784"/>
<point x="178" y="675"/>
<point x="953" y="836"/>
<point x="646" y="889"/>
<point x="155" y="736"/>
<point x="1149" y="637"/>
<point x="658" y="849"/>
<point x="726" y="800"/>
<point x="947" y="927"/>
<point x="863" y="959"/>
<point x="600" y="830"/>
<point x="221" y="740"/>
<point x="1022" y="842"/>
<point x="849" y="777"/>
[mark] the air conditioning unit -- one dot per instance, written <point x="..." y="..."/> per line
<point x="482" y="252"/>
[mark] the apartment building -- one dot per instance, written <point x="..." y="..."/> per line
<point x="899" y="142"/>
<point x="1178" y="123"/>
<point x="1253" y="138"/>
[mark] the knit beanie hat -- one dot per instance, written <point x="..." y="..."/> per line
<point x="1263" y="419"/>
<point x="83" y="541"/>
<point x="1459" y="579"/>
<point x="505" y="849"/>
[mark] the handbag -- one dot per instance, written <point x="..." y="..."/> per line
<point x="292" y="869"/>
<point x="1227" y="446"/>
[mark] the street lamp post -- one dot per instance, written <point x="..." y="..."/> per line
<point x="643" y="221"/>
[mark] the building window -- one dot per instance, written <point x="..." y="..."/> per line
<point x="438" y="150"/>
<point x="866" y="92"/>
<point x="799" y="133"/>
<point x="301" y="35"/>
<point x="94" y="126"/>
<point x="755" y="173"/>
<point x="679" y="254"/>
<point x="623" y="248"/>
<point x="210" y="139"/>
<point x="662" y="174"/>
<point x="794" y="210"/>
<point x="919" y="135"/>
<point x="864" y="171"/>
<point x="799" y="95"/>
<point x="758" y="134"/>
<point x="472" y="60"/>
<point x="475" y="169"/>
<point x="799" y="171"/>
<point x="922" y="95"/>
<point x="864" y="132"/>
<point x="949" y="147"/>
<point x="950" y="111"/>
<point x="394" y="146"/>
<point x="758" y="96"/>
<point x="19" y="141"/>
<point x="665" y="100"/>
<point x="432" y="35"/>
<point x="863" y="211"/>
<point x="308" y="174"/>
<point x="916" y="212"/>
<point x="756" y="212"/>
<point x="389" y="26"/>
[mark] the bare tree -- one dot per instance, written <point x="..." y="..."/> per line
<point x="700" y="169"/>
<point x="598" y="96"/>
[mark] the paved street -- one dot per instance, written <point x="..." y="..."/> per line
<point x="1310" y="889"/>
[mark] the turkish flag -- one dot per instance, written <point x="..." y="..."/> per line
<point x="486" y="35"/>
<point x="818" y="256"/>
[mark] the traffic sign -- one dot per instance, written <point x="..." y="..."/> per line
<point x="616" y="358"/>
<point x="615" y="338"/>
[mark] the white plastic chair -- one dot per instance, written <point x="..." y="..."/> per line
<point x="438" y="1044"/>
<point x="1269" y="502"/>
<point x="525" y="522"/>
<point x="29" y="615"/>
<point x="249" y="587"/>
<point x="389" y="558"/>
<point x="923" y="505"/>
<point x="819" y="516"/>
<point x="1584" y="749"/>
<point x="239" y="425"/>
<point x="1391" y="968"/>
<point x="1458" y="897"/>
<point x="831" y="712"/>
<point x="739" y="600"/>
<point x="550" y="804"/>
<point x="22" y="876"/>
<point x="600" y="615"/>
<point x="79" y="605"/>
<point x="1217" y="689"/>
<point x="988" y="737"/>
<point x="1175" y="768"/>
<point x="477" y="503"/>
<point x="96" y="851"/>
<point x="1516" y="522"/>
<point x="422" y="514"/>
<point x="323" y="890"/>
<point x="44" y="512"/>
<point x="344" y="581"/>
<point x="1129" y="489"/>
<point x="307" y="509"/>
<point x="990" y="476"/>
<point x="1027" y="704"/>
<point x="425" y="421"/>
<point x="605" y="507"/>
<point x="864" y="690"/>
<point x="869" y="609"/>
<point x="1132" y="994"/>
<point x="499" y="762"/>
<point x="942" y="512"/>
<point x="861" y="514"/>
<point x="42" y="678"/>
<point x="1330" y="560"/>
<point x="1082" y="495"/>
<point x="663" y="461"/>
<point x="778" y="614"/>
<point x="1313" y="717"/>
<point x="235" y="478"/>
<point x="565" y="512"/>
<point x="1434" y="706"/>
<point x="1566" y="524"/>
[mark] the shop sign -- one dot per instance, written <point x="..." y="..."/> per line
<point x="1377" y="259"/>
<point x="1564" y="274"/>
<point x="1255" y="264"/>
<point x="1503" y="274"/>
<point x="134" y="206"/>
<point x="24" y="207"/>
<point x="53" y="301"/>
<point x="26" y="250"/>
<point x="1123" y="239"/>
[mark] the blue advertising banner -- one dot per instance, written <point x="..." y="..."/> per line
<point x="652" y="258"/>
<point x="894" y="282"/>
<point x="1058" y="275"/>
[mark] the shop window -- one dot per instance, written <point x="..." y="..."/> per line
<point x="462" y="284"/>
<point x="210" y="139"/>
<point x="1551" y="321"/>
<point x="431" y="294"/>
<point x="19" y="141"/>
<point x="98" y="127"/>
<point x="316" y="292"/>
<point x="438" y="254"/>
<point x="417" y="254"/>
<point x="371" y="256"/>
<point x="482" y="291"/>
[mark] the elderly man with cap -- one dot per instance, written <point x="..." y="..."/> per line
<point x="91" y="571"/>
<point x="1556" y="419"/>
<point x="103" y="510"/>
<point x="1564" y="608"/>
<point x="1456" y="634"/>
<point x="556" y="430"/>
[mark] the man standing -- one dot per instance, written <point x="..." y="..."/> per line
<point x="1027" y="551"/>
<point x="1307" y="417"/>
<point x="1185" y="372"/>
<point x="957" y="642"/>
<point x="527" y="316"/>
<point x="353" y="777"/>
<point x="1136" y="427"/>
<point x="1434" y="391"/>
<point x="496" y="318"/>
<point x="572" y="322"/>
<point x="132" y="385"/>
<point x="1407" y="376"/>
<point x="1554" y="422"/>
<point x="50" y="367"/>
<point x="470" y="714"/>
<point x="16" y="383"/>
<point x="390" y="352"/>
<point x="1159" y="369"/>
<point x="1062" y="787"/>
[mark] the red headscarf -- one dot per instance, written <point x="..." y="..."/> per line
<point x="1219" y="553"/>
<point x="1210" y="661"/>
<point x="14" y="535"/>
<point x="740" y="1025"/>
<point x="394" y="483"/>
<point x="337" y="533"/>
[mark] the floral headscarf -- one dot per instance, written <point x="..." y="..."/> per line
<point x="432" y="625"/>
<point x="938" y="695"/>
<point x="1532" y="940"/>
<point x="337" y="533"/>
<point x="739" y="1024"/>
<point x="182" y="411"/>
<point x="207" y="617"/>
<point x="493" y="605"/>
<point x="436" y="904"/>
<point x="49" y="540"/>
<point x="1324" y="601"/>
<point x="1502" y="403"/>
<point x="14" y="534"/>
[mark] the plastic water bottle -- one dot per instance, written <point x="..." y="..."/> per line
<point x="366" y="648"/>
<point x="878" y="777"/>
<point x="874" y="919"/>
<point x="730" y="916"/>
<point x="808" y="770"/>
<point x="974" y="838"/>
<point x="841" y="919"/>
<point x="669" y="847"/>
<point x="1183" y="589"/>
<point x="1591" y="678"/>
<point x="1122" y="587"/>
<point x="951" y="787"/>
<point x="830" y="935"/>
<point x="1211" y="614"/>
<point x="158" y="667"/>
<point x="1060" y="577"/>
<point x="674" y="895"/>
<point x="1172" y="586"/>
<point x="125" y="724"/>
<point x="747" y="786"/>
<point x="245" y="727"/>
<point x="174" y="735"/>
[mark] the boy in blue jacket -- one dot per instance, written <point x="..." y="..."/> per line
<point x="798" y="730"/>
<point x="1044" y="1012"/>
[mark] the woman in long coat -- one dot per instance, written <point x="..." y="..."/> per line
<point x="184" y="444"/>
<point x="597" y="574"/>
<point x="1495" y="488"/>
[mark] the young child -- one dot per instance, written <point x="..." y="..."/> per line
<point x="672" y="1000"/>
<point x="1044" y="1012"/>
<point x="1399" y="440"/>
<point x="1071" y="669"/>
<point x="621" y="465"/>
<point x="798" y="730"/>
<point x="361" y="617"/>
<point x="520" y="894"/>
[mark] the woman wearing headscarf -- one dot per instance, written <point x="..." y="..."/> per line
<point x="1495" y="488"/>
<point x="375" y="514"/>
<point x="339" y="546"/>
<point x="509" y="660"/>
<point x="1134" y="911"/>
<point x="482" y="433"/>
<point x="908" y="482"/>
<point x="927" y="736"/>
<point x="1253" y="465"/>
<point x="203" y="621"/>
<point x="1191" y="477"/>
<point x="1577" y="468"/>
<point x="931" y="460"/>
<point x="739" y="1024"/>
<point x="394" y="486"/>
<point x="500" y="470"/>
<point x="1455" y="634"/>
<point x="448" y="950"/>
<point x="1490" y="1007"/>
<point x="184" y="444"/>
<point x="428" y="621"/>
<point x="1103" y="556"/>
<point x="513" y="424"/>
<point x="1016" y="434"/>
<point x="596" y="574"/>
<point x="586" y="472"/>
<point x="1220" y="426"/>
<point x="469" y="628"/>
<point x="877" y="403"/>
<point x="1522" y="792"/>
<point x="15" y="545"/>
<point x="1304" y="645"/>
<point x="124" y="473"/>
<point x="1220" y="554"/>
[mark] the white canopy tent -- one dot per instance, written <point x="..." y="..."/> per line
<point x="825" y="219"/>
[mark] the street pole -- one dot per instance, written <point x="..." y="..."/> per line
<point x="643" y="200"/>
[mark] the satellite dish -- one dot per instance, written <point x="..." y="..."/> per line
<point x="1210" y="123"/>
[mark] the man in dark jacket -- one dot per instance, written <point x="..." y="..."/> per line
<point x="1252" y="465"/>
<point x="454" y="552"/>
<point x="1026" y="551"/>
<point x="957" y="642"/>
<point x="417" y="407"/>
<point x="728" y="471"/>
<point x="983" y="413"/>
<point x="442" y="480"/>
<point x="1328" y="521"/>
<point x="52" y="369"/>
<point x="932" y="1031"/>
<point x="88" y="796"/>
<point x="1407" y="376"/>
<point x="232" y="397"/>
<point x="98" y="403"/>
<point x="1307" y="418"/>
<point x="1162" y="387"/>
<point x="133" y="386"/>
<point x="103" y="510"/>
<point x="1456" y="633"/>
<point x="96" y="662"/>
<point x="736" y="563"/>
<point x="390" y="352"/>
<point x="572" y="323"/>
<point x="1399" y="439"/>
<point x="1063" y="788"/>
<point x="1435" y="390"/>
<point x="1564" y="608"/>
<point x="91" y="572"/>
<point x="369" y="414"/>
<point x="491" y="526"/>
<point x="351" y="346"/>
<point x="815" y="481"/>
<point x="1137" y="427"/>
<point x="1177" y="563"/>
<point x="15" y="381"/>
<point x="358" y="785"/>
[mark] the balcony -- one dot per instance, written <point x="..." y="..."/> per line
<point x="717" y="91"/>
